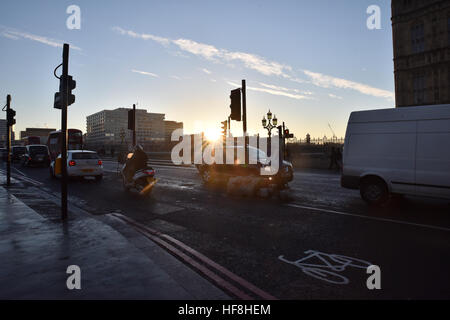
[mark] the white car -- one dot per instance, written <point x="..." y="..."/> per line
<point x="81" y="163"/>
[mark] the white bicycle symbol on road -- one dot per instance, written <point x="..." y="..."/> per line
<point x="332" y="263"/>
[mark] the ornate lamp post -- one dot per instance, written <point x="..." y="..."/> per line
<point x="270" y="123"/>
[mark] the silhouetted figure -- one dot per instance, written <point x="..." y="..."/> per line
<point x="333" y="159"/>
<point x="339" y="158"/>
<point x="112" y="152"/>
<point x="137" y="162"/>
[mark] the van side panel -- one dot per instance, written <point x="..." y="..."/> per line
<point x="433" y="158"/>
<point x="385" y="149"/>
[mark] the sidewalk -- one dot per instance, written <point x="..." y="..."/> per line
<point x="116" y="262"/>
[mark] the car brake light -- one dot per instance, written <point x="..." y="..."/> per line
<point x="99" y="162"/>
<point x="72" y="163"/>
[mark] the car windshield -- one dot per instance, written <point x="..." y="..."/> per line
<point x="38" y="150"/>
<point x="84" y="155"/>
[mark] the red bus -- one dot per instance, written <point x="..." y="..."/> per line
<point x="74" y="141"/>
<point x="25" y="141"/>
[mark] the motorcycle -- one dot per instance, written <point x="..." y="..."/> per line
<point x="136" y="174"/>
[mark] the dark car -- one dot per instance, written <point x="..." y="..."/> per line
<point x="35" y="155"/>
<point x="18" y="152"/>
<point x="220" y="173"/>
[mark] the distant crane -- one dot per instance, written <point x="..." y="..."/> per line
<point x="332" y="131"/>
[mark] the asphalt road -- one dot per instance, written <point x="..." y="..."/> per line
<point x="409" y="239"/>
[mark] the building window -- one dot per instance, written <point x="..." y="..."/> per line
<point x="419" y="89"/>
<point x="418" y="38"/>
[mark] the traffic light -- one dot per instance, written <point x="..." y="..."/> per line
<point x="235" y="105"/>
<point x="131" y="119"/>
<point x="224" y="128"/>
<point x="71" y="84"/>
<point x="288" y="135"/>
<point x="10" y="117"/>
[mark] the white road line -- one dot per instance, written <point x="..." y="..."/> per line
<point x="371" y="218"/>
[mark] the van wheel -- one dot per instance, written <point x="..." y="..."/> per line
<point x="374" y="191"/>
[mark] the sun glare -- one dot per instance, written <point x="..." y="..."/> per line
<point x="212" y="134"/>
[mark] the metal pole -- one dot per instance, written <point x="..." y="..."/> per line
<point x="8" y="142"/>
<point x="280" y="137"/>
<point x="284" y="141"/>
<point x="244" y="119"/>
<point x="65" y="73"/>
<point x="134" y="125"/>
<point x="257" y="147"/>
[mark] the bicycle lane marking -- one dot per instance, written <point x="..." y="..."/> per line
<point x="427" y="226"/>
<point x="330" y="270"/>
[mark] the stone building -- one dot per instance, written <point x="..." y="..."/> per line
<point x="421" y="40"/>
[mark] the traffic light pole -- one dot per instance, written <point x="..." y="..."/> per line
<point x="284" y="141"/>
<point x="134" y="125"/>
<point x="65" y="72"/>
<point x="8" y="142"/>
<point x="244" y="120"/>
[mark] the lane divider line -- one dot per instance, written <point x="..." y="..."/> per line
<point x="427" y="226"/>
<point x="161" y="239"/>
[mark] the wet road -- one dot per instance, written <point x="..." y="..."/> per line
<point x="326" y="235"/>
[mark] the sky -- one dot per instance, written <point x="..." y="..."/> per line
<point x="310" y="62"/>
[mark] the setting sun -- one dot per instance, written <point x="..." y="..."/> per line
<point x="212" y="134"/>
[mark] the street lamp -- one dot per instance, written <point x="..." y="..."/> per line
<point x="269" y="123"/>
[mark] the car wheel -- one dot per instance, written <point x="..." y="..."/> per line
<point x="374" y="191"/>
<point x="207" y="176"/>
<point x="52" y="173"/>
<point x="99" y="177"/>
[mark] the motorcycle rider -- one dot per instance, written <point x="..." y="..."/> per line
<point x="137" y="162"/>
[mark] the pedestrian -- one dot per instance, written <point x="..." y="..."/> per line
<point x="332" y="159"/>
<point x="112" y="152"/>
<point x="339" y="158"/>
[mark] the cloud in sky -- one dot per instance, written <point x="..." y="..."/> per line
<point x="175" y="77"/>
<point x="272" y="91"/>
<point x="212" y="53"/>
<point x="334" y="96"/>
<point x="262" y="65"/>
<point x="279" y="88"/>
<point x="16" y="35"/>
<point x="133" y="34"/>
<point x="325" y="81"/>
<point x="206" y="71"/>
<point x="145" y="73"/>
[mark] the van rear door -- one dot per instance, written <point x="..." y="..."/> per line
<point x="433" y="158"/>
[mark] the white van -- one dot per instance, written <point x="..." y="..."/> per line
<point x="398" y="151"/>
